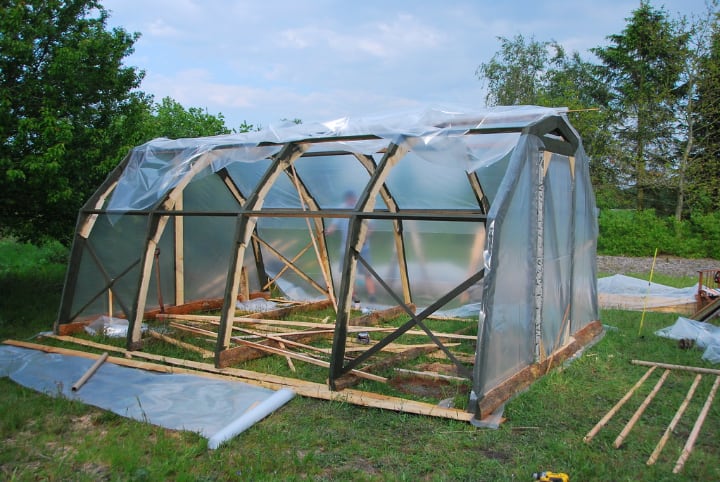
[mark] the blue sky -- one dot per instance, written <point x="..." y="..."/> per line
<point x="317" y="60"/>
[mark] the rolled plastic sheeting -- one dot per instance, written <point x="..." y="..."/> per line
<point x="251" y="417"/>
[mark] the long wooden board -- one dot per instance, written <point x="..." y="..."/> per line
<point x="303" y="388"/>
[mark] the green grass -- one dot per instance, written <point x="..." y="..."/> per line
<point x="46" y="438"/>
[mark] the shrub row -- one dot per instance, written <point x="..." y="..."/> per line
<point x="639" y="233"/>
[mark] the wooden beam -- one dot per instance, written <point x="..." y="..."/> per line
<point x="412" y="352"/>
<point x="351" y="328"/>
<point x="168" y="339"/>
<point x="374" y="318"/>
<point x="706" y="371"/>
<point x="301" y="387"/>
<point x="690" y="443"/>
<point x="179" y="252"/>
<point x="305" y="358"/>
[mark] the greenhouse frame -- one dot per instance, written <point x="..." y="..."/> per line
<point x="438" y="212"/>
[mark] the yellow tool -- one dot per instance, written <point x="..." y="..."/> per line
<point x="551" y="477"/>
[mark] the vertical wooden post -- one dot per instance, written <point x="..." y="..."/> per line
<point x="179" y="254"/>
<point x="539" y="170"/>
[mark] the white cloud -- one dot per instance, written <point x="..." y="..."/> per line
<point x="159" y="28"/>
<point x="404" y="34"/>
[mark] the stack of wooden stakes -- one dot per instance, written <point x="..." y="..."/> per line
<point x="690" y="443"/>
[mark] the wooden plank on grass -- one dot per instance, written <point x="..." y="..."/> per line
<point x="706" y="371"/>
<point x="376" y="317"/>
<point x="696" y="428"/>
<point x="187" y="346"/>
<point x="307" y="359"/>
<point x="395" y="359"/>
<point x="301" y="387"/>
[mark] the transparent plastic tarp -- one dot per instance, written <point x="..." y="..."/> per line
<point x="705" y="335"/>
<point x="521" y="278"/>
<point x="159" y="165"/>
<point x="174" y="401"/>
<point x="622" y="292"/>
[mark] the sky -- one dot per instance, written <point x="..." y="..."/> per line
<point x="261" y="61"/>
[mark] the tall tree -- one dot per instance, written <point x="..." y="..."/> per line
<point x="704" y="167"/>
<point x="642" y="67"/>
<point x="65" y="96"/>
<point x="699" y="73"/>
<point x="528" y="71"/>
<point x="517" y="73"/>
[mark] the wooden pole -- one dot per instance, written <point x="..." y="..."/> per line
<point x="305" y="358"/>
<point x="323" y="266"/>
<point x="638" y="413"/>
<point x="91" y="371"/>
<point x="658" y="448"/>
<point x="617" y="406"/>
<point x="696" y="428"/>
<point x="290" y="363"/>
<point x="706" y="371"/>
<point x="168" y="339"/>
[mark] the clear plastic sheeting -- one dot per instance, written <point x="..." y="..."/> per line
<point x="705" y="335"/>
<point x="622" y="292"/>
<point x="159" y="165"/>
<point x="174" y="401"/>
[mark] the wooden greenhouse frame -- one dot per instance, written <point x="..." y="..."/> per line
<point x="167" y="215"/>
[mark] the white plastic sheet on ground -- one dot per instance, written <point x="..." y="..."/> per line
<point x="174" y="401"/>
<point x="705" y="335"/>
<point x="627" y="293"/>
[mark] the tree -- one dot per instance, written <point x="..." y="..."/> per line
<point x="541" y="73"/>
<point x="517" y="73"/>
<point x="699" y="73"/>
<point x="642" y="68"/>
<point x="66" y="100"/>
<point x="172" y="120"/>
<point x="703" y="166"/>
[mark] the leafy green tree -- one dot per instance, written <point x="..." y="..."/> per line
<point x="703" y="169"/>
<point x="66" y="102"/>
<point x="170" y="119"/>
<point x="528" y="71"/>
<point x="642" y="67"/>
<point x="517" y="73"/>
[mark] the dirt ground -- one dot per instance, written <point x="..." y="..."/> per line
<point x="668" y="265"/>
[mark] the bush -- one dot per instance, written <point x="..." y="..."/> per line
<point x="639" y="233"/>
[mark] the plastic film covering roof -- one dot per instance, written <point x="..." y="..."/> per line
<point x="435" y="134"/>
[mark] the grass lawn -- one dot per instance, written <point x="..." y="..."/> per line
<point x="45" y="438"/>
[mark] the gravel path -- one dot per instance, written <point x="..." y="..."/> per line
<point x="668" y="265"/>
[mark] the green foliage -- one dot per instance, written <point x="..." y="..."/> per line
<point x="170" y="119"/>
<point x="704" y="170"/>
<point x="518" y="73"/>
<point x="31" y="279"/>
<point x="48" y="438"/>
<point x="642" y="67"/>
<point x="63" y="89"/>
<point x="639" y="233"/>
